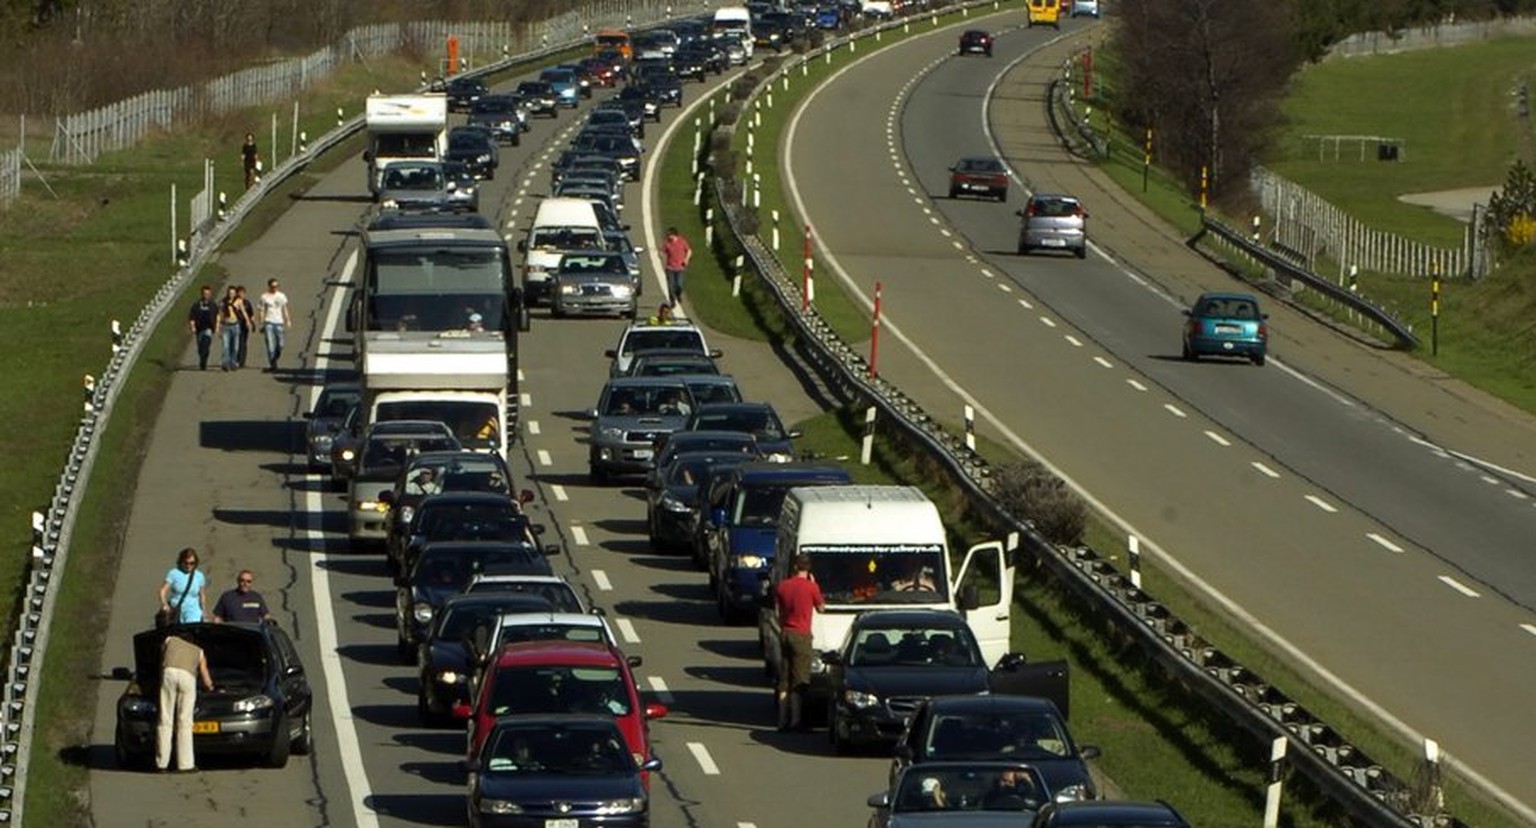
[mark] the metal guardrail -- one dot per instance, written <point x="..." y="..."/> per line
<point x="53" y="529"/>
<point x="1341" y="771"/>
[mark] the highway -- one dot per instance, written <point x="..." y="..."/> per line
<point x="1376" y="555"/>
<point x="224" y="472"/>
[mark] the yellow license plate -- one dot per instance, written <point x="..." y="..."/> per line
<point x="205" y="727"/>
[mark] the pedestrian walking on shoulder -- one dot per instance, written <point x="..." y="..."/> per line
<point x="275" y="320"/>
<point x="182" y="667"/>
<point x="675" y="254"/>
<point x="243" y="604"/>
<point x="202" y="321"/>
<point x="796" y="599"/>
<point x="250" y="322"/>
<point x="184" y="590"/>
<point x="232" y="325"/>
<point x="250" y="159"/>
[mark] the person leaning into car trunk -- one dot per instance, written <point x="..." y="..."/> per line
<point x="182" y="666"/>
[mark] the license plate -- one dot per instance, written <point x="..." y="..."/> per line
<point x="1053" y="243"/>
<point x="595" y="290"/>
<point x="643" y="454"/>
<point x="205" y="727"/>
<point x="562" y="823"/>
<point x="1227" y="329"/>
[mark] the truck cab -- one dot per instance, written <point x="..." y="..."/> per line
<point x="457" y="380"/>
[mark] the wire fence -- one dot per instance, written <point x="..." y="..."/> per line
<point x="10" y="175"/>
<point x="1450" y="33"/>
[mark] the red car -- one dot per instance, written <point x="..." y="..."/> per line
<point x="976" y="42"/>
<point x="562" y="677"/>
<point x="982" y="176"/>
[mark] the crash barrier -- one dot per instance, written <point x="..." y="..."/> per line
<point x="1339" y="770"/>
<point x="52" y="529"/>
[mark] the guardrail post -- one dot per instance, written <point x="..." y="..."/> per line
<point x="698" y="188"/>
<point x="775" y="232"/>
<point x="867" y="450"/>
<point x="1133" y="559"/>
<point x="1276" y="777"/>
<point x="1431" y="793"/>
<point x="709" y="227"/>
<point x="807" y="290"/>
<point x="117" y="336"/>
<point x="757" y="190"/>
<point x="970" y="428"/>
<point x="340" y="119"/>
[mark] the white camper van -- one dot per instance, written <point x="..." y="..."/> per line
<point x="403" y="127"/>
<point x="882" y="547"/>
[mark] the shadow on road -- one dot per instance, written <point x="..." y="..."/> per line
<point x="378" y="655"/>
<point x="420" y="809"/>
<point x="746" y="648"/>
<point x="250" y="435"/>
<point x="443" y="742"/>
<point x="399" y="716"/>
<point x="360" y="565"/>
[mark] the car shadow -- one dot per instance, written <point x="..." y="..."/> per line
<point x="371" y="598"/>
<point x="443" y="742"/>
<point x="419" y="809"/>
<point x="743" y="648"/>
<point x="685" y="592"/>
<point x="621" y="526"/>
<point x="356" y="566"/>
<point x="679" y="563"/>
<point x="399" y="716"/>
<point x="377" y="655"/>
<point x="667" y="612"/>
<point x="250" y="435"/>
<point x="746" y="677"/>
<point x="254" y="517"/>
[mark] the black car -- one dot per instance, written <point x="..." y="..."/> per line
<point x="557" y="769"/>
<point x="437" y="472"/>
<point x="1108" y="814"/>
<point x="610" y="117"/>
<point x="756" y="418"/>
<point x="463" y="516"/>
<point x="625" y="150"/>
<point x="443" y="569"/>
<point x="661" y="363"/>
<point x="504" y="115"/>
<point x="642" y="93"/>
<point x="671" y="492"/>
<point x="1019" y="728"/>
<point x="892" y="661"/>
<point x="445" y="650"/>
<point x="573" y="160"/>
<point x="463" y="92"/>
<point x="260" y="705"/>
<point x="691" y="63"/>
<point x="541" y="98"/>
<point x="974" y="794"/>
<point x="633" y="109"/>
<point x="475" y="147"/>
<point x="667" y="89"/>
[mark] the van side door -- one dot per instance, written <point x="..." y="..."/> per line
<point x="983" y="591"/>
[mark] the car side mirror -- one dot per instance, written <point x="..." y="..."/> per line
<point x="1089" y="751"/>
<point x="591" y="413"/>
<point x="879" y="800"/>
<point x="1011" y="661"/>
<point x="611" y="354"/>
<point x="402" y="581"/>
<point x="970" y="597"/>
<point x="551" y="549"/>
<point x="651" y="764"/>
<point x="717" y="516"/>
<point x="525" y="496"/>
<point x="1185" y="312"/>
<point x="469" y="765"/>
<point x="832" y="657"/>
<point x="716" y="354"/>
<point x="367" y="156"/>
<point x="904" y="751"/>
<point x="795" y="433"/>
<point x="536" y="528"/>
<point x="1019" y="213"/>
<point x="522" y="247"/>
<point x="634" y="660"/>
<point x="387" y="497"/>
<point x="460" y="712"/>
<point x="309" y="415"/>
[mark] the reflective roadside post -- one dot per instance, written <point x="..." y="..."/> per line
<point x="874" y="335"/>
<point x="806" y="290"/>
<point x="1434" y="312"/>
<point x="1146" y="159"/>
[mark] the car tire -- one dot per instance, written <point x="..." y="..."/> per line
<point x="304" y="744"/>
<point x="597" y="475"/>
<point x="840" y="746"/>
<point x="424" y="715"/>
<point x="954" y="193"/>
<point x="127" y="759"/>
<point x="1258" y="360"/>
<point x="1188" y="354"/>
<point x="1081" y="252"/>
<point x="282" y="745"/>
<point x="1023" y="250"/>
<point x="404" y="651"/>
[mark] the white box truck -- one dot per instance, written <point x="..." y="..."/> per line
<point x="882" y="547"/>
<point x="402" y="127"/>
<point x="447" y="376"/>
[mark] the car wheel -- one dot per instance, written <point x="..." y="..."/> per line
<point x="1081" y="252"/>
<point x="424" y="713"/>
<point x="840" y="746"/>
<point x="127" y="759"/>
<point x="597" y="475"/>
<point x="1188" y="354"/>
<point x="1023" y="250"/>
<point x="1258" y="359"/>
<point x="305" y="743"/>
<point x="404" y="650"/>
<point x="277" y="755"/>
<point x="650" y="533"/>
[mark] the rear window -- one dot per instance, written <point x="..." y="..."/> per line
<point x="1229" y="308"/>
<point x="1055" y="207"/>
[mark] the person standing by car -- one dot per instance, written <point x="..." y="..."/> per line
<point x="202" y="321"/>
<point x="676" y="254"/>
<point x="241" y="605"/>
<point x="185" y="589"/>
<point x="250" y="159"/>
<point x="796" y="598"/>
<point x="275" y="320"/>
<point x="182" y="666"/>
<point x="232" y="326"/>
<point x="250" y="322"/>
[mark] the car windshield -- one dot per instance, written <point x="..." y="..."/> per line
<point x="593" y="263"/>
<point x="566" y="238"/>
<point x="401" y="177"/>
<point x="477" y="425"/>
<point x="452" y="568"/>
<point x="913" y="647"/>
<point x="465" y="473"/>
<point x="466" y="522"/>
<point x="560" y="596"/>
<point x="980" y="165"/>
<point x="979" y="788"/>
<point x="334" y="402"/>
<point x="557" y="749"/>
<point x="559" y="689"/>
<point x="634" y="401"/>
<point x="1229" y="307"/>
<point x="880" y="573"/>
<point x="714" y="392"/>
<point x="458" y="620"/>
<point x="1054" y="207"/>
<point x="468" y="141"/>
<point x="758" y="505"/>
<point x="393" y="451"/>
<point x="689" y="471"/>
<point x="1021" y="736"/>
<point x="758" y="422"/>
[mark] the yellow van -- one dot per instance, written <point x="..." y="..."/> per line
<point x="1045" y="13"/>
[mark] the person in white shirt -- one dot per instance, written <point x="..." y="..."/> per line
<point x="274" y="322"/>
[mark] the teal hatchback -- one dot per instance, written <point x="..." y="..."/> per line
<point x="1226" y="324"/>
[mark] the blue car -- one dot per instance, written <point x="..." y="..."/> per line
<point x="566" y="84"/>
<point x="1226" y="324"/>
<point x="739" y="520"/>
<point x="755" y="418"/>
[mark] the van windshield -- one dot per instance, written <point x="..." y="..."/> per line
<point x="880" y="573"/>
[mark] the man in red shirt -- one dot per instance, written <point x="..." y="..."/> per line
<point x="676" y="254"/>
<point x="796" y="599"/>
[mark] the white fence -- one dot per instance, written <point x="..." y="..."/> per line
<point x="1303" y="222"/>
<point x="1431" y="37"/>
<point x="10" y="175"/>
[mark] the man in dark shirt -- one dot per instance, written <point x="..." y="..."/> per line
<point x="242" y="604"/>
<point x="796" y="598"/>
<point x="202" y="319"/>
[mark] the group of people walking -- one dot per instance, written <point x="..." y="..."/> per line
<point x="183" y="664"/>
<point x="233" y="319"/>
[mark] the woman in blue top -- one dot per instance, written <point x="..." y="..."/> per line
<point x="185" y="579"/>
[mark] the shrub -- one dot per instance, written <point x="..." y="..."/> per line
<point x="1029" y="491"/>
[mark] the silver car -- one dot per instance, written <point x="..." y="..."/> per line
<point x="1052" y="221"/>
<point x="594" y="282"/>
<point x="631" y="417"/>
<point x="421" y="186"/>
<point x="385" y="449"/>
<point x="325" y="420"/>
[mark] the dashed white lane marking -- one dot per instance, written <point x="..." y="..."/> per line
<point x="987" y="273"/>
<point x="1459" y="586"/>
<point x="746" y="825"/>
<point x="559" y="492"/>
<point x="701" y="755"/>
<point x="1076" y="343"/>
<point x="1136" y="385"/>
<point x="545" y="459"/>
<point x="1174" y="410"/>
<point x="1049" y="323"/>
<point x="1026" y="305"/>
<point x="1005" y="287"/>
<point x="1103" y="362"/>
<point x="1530" y="628"/>
<point x="1265" y="470"/>
<point x="1218" y="439"/>
<point x="1489" y="479"/>
<point x="525" y="400"/>
<point x="1516" y="494"/>
<point x="533" y="428"/>
<point x="659" y="687"/>
<point x="627" y="631"/>
<point x="600" y="578"/>
<point x="1384" y="543"/>
<point x="1321" y="503"/>
<point x="579" y="535"/>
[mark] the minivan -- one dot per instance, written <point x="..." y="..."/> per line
<point x="1045" y="13"/>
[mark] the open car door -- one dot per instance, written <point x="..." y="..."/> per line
<point x="984" y="590"/>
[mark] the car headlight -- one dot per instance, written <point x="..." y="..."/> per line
<point x="422" y="612"/>
<point x="622" y="291"/>
<point x="389" y="204"/>
<point x="323" y="442"/>
<point x="749" y="561"/>
<point x="672" y="504"/>
<point x="499" y="806"/>
<point x="855" y="698"/>
<point x="611" y="433"/>
<point x="348" y="455"/>
<point x="483" y="159"/>
<point x="621" y="806"/>
<point x="138" y="708"/>
<point x="1074" y="793"/>
<point x="451" y="677"/>
<point x="570" y="290"/>
<point x="253" y="704"/>
<point x="370" y="506"/>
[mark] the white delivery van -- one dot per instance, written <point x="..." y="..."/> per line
<point x="882" y="547"/>
<point x="449" y="376"/>
<point x="560" y="224"/>
<point x="403" y="127"/>
<point x="733" y="22"/>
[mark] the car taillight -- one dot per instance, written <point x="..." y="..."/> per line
<point x="1078" y="211"/>
<point x="1263" y="331"/>
<point x="1029" y="211"/>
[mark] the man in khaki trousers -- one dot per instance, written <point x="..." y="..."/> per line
<point x="182" y="665"/>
